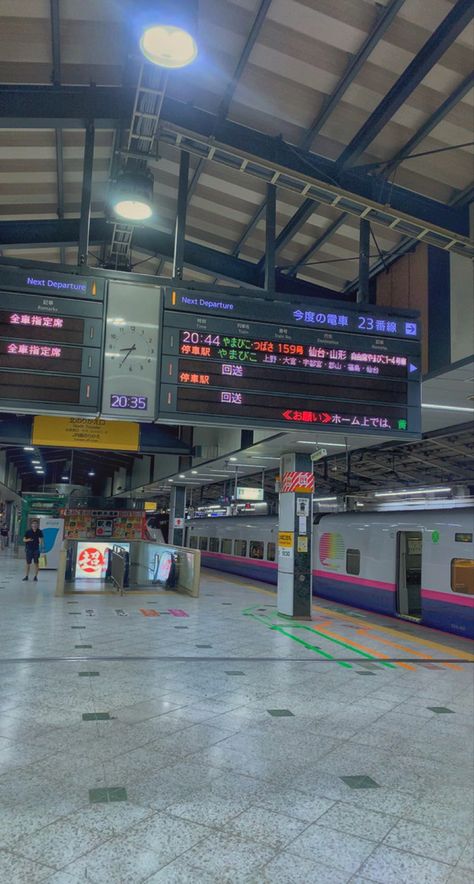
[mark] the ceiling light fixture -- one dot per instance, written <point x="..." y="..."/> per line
<point x="447" y="407"/>
<point x="321" y="499"/>
<point x="407" y="491"/>
<point x="168" y="32"/>
<point x="132" y="195"/>
<point x="28" y="448"/>
<point x="326" y="444"/>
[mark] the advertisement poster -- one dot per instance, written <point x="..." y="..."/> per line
<point x="92" y="560"/>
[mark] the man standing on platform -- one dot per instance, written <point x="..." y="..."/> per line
<point x="33" y="543"/>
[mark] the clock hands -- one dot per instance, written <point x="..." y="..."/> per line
<point x="127" y="351"/>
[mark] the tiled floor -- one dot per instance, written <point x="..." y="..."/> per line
<point x="239" y="749"/>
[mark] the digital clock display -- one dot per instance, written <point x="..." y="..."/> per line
<point x="137" y="403"/>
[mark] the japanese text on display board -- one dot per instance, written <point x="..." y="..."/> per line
<point x="359" y="372"/>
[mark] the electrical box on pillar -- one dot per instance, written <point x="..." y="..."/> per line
<point x="295" y="536"/>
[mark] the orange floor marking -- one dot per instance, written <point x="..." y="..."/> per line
<point x="453" y="652"/>
<point x="366" y="649"/>
<point x="385" y="641"/>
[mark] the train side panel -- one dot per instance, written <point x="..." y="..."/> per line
<point x="353" y="563"/>
<point x="356" y="559"/>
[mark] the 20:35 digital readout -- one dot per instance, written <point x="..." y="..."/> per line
<point x="138" y="403"/>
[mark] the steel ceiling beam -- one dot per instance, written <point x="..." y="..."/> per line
<point x="356" y="64"/>
<point x="240" y="148"/>
<point x="439" y="114"/>
<point x="428" y="56"/>
<point x="440" y="40"/>
<point x="329" y="106"/>
<point x="155" y="243"/>
<point x="229" y="93"/>
<point x="325" y="236"/>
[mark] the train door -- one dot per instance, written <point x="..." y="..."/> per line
<point x="409" y="574"/>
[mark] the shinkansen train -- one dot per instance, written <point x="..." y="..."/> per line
<point x="417" y="565"/>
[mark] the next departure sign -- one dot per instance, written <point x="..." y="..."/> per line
<point x="346" y="369"/>
<point x="51" y="333"/>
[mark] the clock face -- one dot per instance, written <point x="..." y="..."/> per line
<point x="131" y="351"/>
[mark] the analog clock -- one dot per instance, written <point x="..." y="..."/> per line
<point x="131" y="348"/>
<point x="131" y="351"/>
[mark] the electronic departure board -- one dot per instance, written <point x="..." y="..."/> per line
<point x="239" y="360"/>
<point x="51" y="342"/>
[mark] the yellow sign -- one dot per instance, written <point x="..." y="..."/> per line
<point x="150" y="506"/>
<point x="302" y="545"/>
<point x="285" y="539"/>
<point x="78" y="432"/>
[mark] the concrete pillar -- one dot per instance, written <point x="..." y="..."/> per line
<point x="177" y="507"/>
<point x="295" y="536"/>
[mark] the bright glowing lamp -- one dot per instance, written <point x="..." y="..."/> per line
<point x="132" y="196"/>
<point x="168" y="31"/>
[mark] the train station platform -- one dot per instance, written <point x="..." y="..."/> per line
<point x="161" y="738"/>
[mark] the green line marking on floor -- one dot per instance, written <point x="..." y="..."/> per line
<point x="82" y="646"/>
<point x="350" y="647"/>
<point x="96" y="716"/>
<point x="78" y="627"/>
<point x="88" y="674"/>
<point x="310" y="647"/>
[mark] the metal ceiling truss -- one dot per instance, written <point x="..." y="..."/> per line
<point x="428" y="56"/>
<point x="292" y="177"/>
<point x="229" y="93"/>
<point x="154" y="243"/>
<point x="141" y="144"/>
<point x="253" y="153"/>
<point x="440" y="40"/>
<point x="355" y="65"/>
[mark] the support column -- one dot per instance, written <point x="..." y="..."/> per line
<point x="86" y="199"/>
<point x="180" y="227"/>
<point x="177" y="508"/>
<point x="295" y="530"/>
<point x="270" y="233"/>
<point x="364" y="262"/>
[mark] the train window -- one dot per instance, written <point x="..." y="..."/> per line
<point x="353" y="561"/>
<point x="226" y="546"/>
<point x="462" y="576"/>
<point x="271" y="552"/>
<point x="203" y="543"/>
<point x="463" y="538"/>
<point x="213" y="544"/>
<point x="193" y="541"/>
<point x="240" y="547"/>
<point x="256" y="549"/>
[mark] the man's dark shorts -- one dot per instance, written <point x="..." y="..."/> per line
<point x="32" y="555"/>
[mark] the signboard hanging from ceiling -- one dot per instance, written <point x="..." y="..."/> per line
<point x="51" y="330"/>
<point x="70" y="432"/>
<point x="332" y="368"/>
<point x="244" y="493"/>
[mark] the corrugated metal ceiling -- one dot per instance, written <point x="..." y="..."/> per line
<point x="301" y="53"/>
